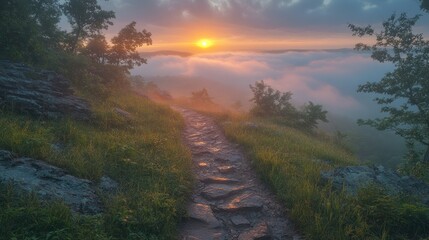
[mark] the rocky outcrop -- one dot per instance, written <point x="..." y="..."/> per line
<point x="39" y="93"/>
<point x="354" y="177"/>
<point x="51" y="183"/>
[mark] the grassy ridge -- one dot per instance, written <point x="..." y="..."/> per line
<point x="291" y="161"/>
<point x="143" y="153"/>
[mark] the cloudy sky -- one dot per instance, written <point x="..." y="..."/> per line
<point x="242" y="32"/>
<point x="254" y="24"/>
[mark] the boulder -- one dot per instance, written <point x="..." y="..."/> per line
<point x="123" y="113"/>
<point x="39" y="93"/>
<point x="354" y="177"/>
<point x="108" y="186"/>
<point x="51" y="183"/>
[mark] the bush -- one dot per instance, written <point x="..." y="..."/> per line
<point x="390" y="216"/>
<point x="276" y="105"/>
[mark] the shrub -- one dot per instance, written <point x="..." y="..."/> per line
<point x="274" y="104"/>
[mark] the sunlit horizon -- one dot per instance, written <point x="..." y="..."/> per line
<point x="233" y="45"/>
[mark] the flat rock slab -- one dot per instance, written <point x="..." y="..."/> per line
<point x="226" y="169"/>
<point x="244" y="202"/>
<point x="197" y="231"/>
<point x="39" y="93"/>
<point x="203" y="213"/>
<point x="220" y="180"/>
<point x="220" y="191"/>
<point x="203" y="165"/>
<point x="354" y="177"/>
<point x="259" y="232"/>
<point x="240" y="221"/>
<point x="50" y="183"/>
<point x="222" y="160"/>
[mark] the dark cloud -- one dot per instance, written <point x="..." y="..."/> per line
<point x="286" y="14"/>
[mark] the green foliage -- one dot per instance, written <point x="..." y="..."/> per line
<point x="22" y="216"/>
<point x="30" y="34"/>
<point x="275" y="104"/>
<point x="270" y="102"/>
<point x="27" y="137"/>
<point x="413" y="164"/>
<point x="125" y="44"/>
<point x="29" y="29"/>
<point x="97" y="49"/>
<point x="123" y="52"/>
<point x="290" y="161"/>
<point x="405" y="90"/>
<point x="424" y="5"/>
<point x="391" y="216"/>
<point x="87" y="19"/>
<point x="143" y="153"/>
<point x="312" y="113"/>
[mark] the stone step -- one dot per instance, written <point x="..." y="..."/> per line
<point x="259" y="232"/>
<point x="220" y="191"/>
<point x="221" y="180"/>
<point x="240" y="221"/>
<point x="203" y="213"/>
<point x="203" y="165"/>
<point x="194" y="231"/>
<point x="221" y="160"/>
<point x="226" y="169"/>
<point x="246" y="201"/>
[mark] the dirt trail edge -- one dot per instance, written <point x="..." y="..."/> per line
<point x="229" y="202"/>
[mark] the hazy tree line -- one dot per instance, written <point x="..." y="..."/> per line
<point x="30" y="33"/>
<point x="277" y="105"/>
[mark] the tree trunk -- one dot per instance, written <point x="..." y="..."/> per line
<point x="426" y="157"/>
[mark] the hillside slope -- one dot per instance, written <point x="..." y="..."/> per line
<point x="291" y="162"/>
<point x="128" y="138"/>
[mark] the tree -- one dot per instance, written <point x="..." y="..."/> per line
<point x="273" y="103"/>
<point x="28" y="29"/>
<point x="201" y="97"/>
<point x="97" y="49"/>
<point x="86" y="19"/>
<point x="424" y="5"/>
<point x="270" y="102"/>
<point x="125" y="44"/>
<point x="312" y="113"/>
<point x="404" y="91"/>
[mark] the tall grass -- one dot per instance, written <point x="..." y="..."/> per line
<point x="291" y="161"/>
<point x="143" y="153"/>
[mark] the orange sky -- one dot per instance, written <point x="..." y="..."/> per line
<point x="225" y="39"/>
<point x="225" y="44"/>
<point x="177" y="25"/>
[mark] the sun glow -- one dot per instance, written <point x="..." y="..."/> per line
<point x="204" y="43"/>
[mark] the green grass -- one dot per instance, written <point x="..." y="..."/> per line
<point x="291" y="161"/>
<point x="144" y="154"/>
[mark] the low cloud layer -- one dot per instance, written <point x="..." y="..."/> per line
<point x="329" y="78"/>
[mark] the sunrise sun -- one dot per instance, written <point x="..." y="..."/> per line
<point x="204" y="43"/>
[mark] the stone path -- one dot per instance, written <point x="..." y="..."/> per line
<point x="229" y="202"/>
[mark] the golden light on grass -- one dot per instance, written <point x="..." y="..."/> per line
<point x="205" y="43"/>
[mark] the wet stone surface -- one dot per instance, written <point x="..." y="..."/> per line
<point x="229" y="201"/>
